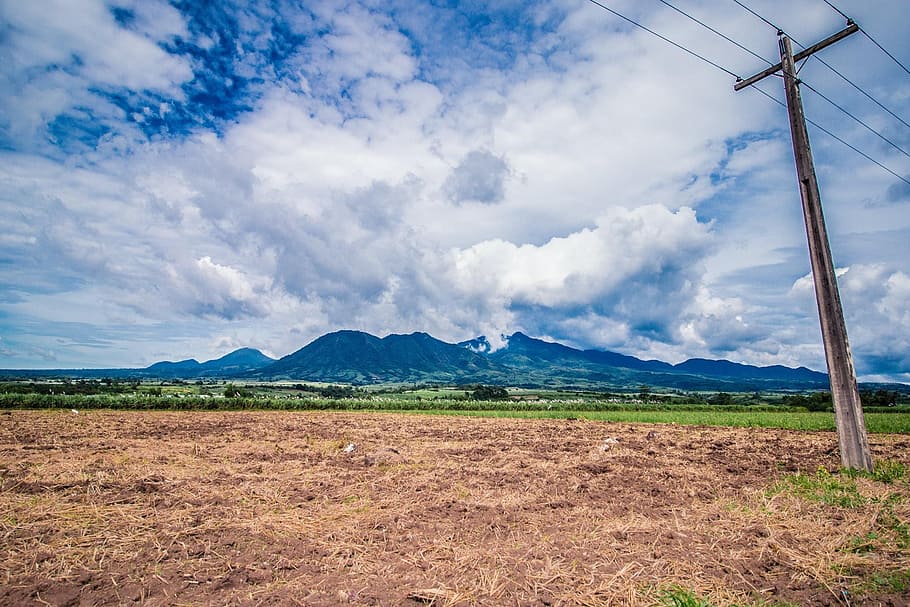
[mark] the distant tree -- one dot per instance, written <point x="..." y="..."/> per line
<point x="695" y="398"/>
<point x="721" y="399"/>
<point x="337" y="392"/>
<point x="816" y="401"/>
<point x="879" y="398"/>
<point x="644" y="393"/>
<point x="489" y="393"/>
<point x="232" y="391"/>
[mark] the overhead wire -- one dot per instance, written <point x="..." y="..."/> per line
<point x="884" y="50"/>
<point x="840" y="12"/>
<point x="832" y="135"/>
<point x="774" y="25"/>
<point x="664" y="38"/>
<point x="711" y="29"/>
<point x="823" y="62"/>
<point x="857" y="150"/>
<point x="867" y="35"/>
<point x="850" y="82"/>
<point x="869" y="128"/>
<point x="731" y="73"/>
<point x="861" y="90"/>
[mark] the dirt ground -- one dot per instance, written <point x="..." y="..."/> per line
<point x="272" y="508"/>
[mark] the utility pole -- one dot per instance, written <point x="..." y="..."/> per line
<point x="848" y="411"/>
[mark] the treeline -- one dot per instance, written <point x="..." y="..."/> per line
<point x="79" y="386"/>
<point x="332" y="391"/>
<point x="147" y="402"/>
<point x="821" y="401"/>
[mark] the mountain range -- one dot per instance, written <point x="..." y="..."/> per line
<point x="355" y="357"/>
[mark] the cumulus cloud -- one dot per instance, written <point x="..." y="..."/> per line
<point x="876" y="303"/>
<point x="218" y="289"/>
<point x="60" y="56"/>
<point x="479" y="177"/>
<point x="587" y="265"/>
<point x="246" y="174"/>
<point x="634" y="280"/>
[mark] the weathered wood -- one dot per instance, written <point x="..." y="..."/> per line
<point x="848" y="410"/>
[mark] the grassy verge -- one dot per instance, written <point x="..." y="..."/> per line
<point x="879" y="423"/>
<point x="698" y="415"/>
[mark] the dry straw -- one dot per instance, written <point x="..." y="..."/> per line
<point x="267" y="508"/>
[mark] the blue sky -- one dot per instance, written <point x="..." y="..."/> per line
<point x="182" y="179"/>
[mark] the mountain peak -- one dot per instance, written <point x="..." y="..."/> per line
<point x="356" y="357"/>
<point x="241" y="359"/>
<point x="479" y="344"/>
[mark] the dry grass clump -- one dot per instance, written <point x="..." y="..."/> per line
<point x="277" y="509"/>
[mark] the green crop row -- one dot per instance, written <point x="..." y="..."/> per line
<point x="736" y="416"/>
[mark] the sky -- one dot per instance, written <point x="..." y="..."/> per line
<point x="183" y="179"/>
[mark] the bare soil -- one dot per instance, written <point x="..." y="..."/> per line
<point x="272" y="508"/>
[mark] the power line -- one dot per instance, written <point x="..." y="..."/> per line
<point x="711" y="29"/>
<point x="866" y="34"/>
<point x="825" y="63"/>
<point x="861" y="90"/>
<point x="815" y="124"/>
<point x="728" y="72"/>
<point x="774" y="25"/>
<point x="869" y="128"/>
<point x="893" y="58"/>
<point x="757" y="15"/>
<point x="832" y="135"/>
<point x="857" y="150"/>
<point x="664" y="38"/>
<point x="850" y="82"/>
<point x="837" y="10"/>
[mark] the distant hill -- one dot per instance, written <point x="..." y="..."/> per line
<point x="540" y="362"/>
<point x="725" y="368"/>
<point x="234" y="363"/>
<point x="354" y="357"/>
<point x="166" y="368"/>
<point x="238" y="361"/>
<point x="361" y="358"/>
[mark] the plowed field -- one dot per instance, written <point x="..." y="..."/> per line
<point x="110" y="508"/>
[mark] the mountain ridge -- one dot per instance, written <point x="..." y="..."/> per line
<point x="356" y="357"/>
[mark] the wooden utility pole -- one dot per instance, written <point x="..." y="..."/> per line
<point x="848" y="410"/>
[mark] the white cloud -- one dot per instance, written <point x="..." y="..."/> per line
<point x="479" y="177"/>
<point x="895" y="304"/>
<point x="586" y="265"/>
<point x="585" y="183"/>
<point x="57" y="52"/>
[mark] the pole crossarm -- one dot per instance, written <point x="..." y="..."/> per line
<point x="851" y="28"/>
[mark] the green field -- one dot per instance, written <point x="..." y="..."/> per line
<point x="895" y="421"/>
<point x="879" y="423"/>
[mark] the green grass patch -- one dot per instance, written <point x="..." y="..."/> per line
<point x="892" y="581"/>
<point x="885" y="471"/>
<point x="681" y="597"/>
<point x="677" y="596"/>
<point x="698" y="415"/>
<point x="841" y="490"/>
<point x="787" y="420"/>
<point x="823" y="487"/>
